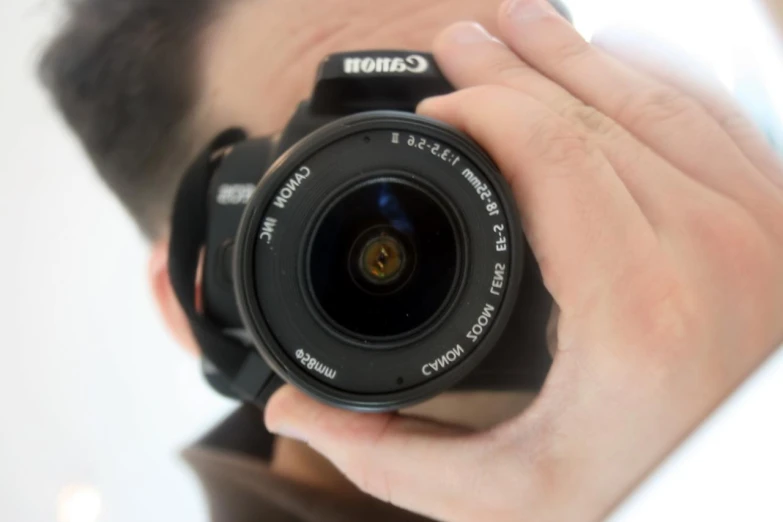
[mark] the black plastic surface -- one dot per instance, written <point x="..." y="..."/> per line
<point x="376" y="80"/>
<point x="232" y="184"/>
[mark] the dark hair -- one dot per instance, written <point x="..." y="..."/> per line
<point x="124" y="75"/>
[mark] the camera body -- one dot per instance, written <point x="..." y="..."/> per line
<point x="370" y="257"/>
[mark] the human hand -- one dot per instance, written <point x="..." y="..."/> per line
<point x="655" y="211"/>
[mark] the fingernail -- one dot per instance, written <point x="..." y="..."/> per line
<point x="469" y="33"/>
<point x="528" y="10"/>
<point x="289" y="433"/>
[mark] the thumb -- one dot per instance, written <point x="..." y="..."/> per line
<point x="418" y="465"/>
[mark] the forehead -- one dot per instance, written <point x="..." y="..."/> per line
<point x="259" y="58"/>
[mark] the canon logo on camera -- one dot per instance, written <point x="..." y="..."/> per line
<point x="414" y="63"/>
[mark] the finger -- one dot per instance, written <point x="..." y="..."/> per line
<point x="674" y="67"/>
<point x="662" y="117"/>
<point x="583" y="225"/>
<point x="421" y="466"/>
<point x="470" y="56"/>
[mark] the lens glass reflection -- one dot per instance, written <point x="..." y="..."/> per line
<point x="384" y="259"/>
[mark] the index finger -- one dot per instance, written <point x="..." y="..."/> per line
<point x="582" y="223"/>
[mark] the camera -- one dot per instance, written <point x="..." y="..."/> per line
<point x="371" y="257"/>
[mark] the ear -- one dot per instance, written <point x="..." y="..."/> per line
<point x="173" y="316"/>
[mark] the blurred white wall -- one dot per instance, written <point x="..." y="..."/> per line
<point x="93" y="392"/>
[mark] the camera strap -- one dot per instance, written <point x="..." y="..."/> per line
<point x="230" y="367"/>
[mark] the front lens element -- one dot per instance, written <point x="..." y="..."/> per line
<point x="384" y="259"/>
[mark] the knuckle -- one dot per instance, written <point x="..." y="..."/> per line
<point x="663" y="306"/>
<point x="573" y="50"/>
<point x="624" y="151"/>
<point x="656" y="105"/>
<point x="659" y="311"/>
<point x="590" y="119"/>
<point x="554" y="141"/>
<point x="517" y="76"/>
<point x="507" y="71"/>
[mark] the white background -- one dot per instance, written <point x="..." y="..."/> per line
<point x="94" y="395"/>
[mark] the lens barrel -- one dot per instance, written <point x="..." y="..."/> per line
<point x="378" y="261"/>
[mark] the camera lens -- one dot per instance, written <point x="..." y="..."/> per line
<point x="379" y="260"/>
<point x="384" y="259"/>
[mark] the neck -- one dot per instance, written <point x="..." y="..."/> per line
<point x="260" y="58"/>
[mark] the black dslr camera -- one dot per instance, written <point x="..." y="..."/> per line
<point x="371" y="257"/>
